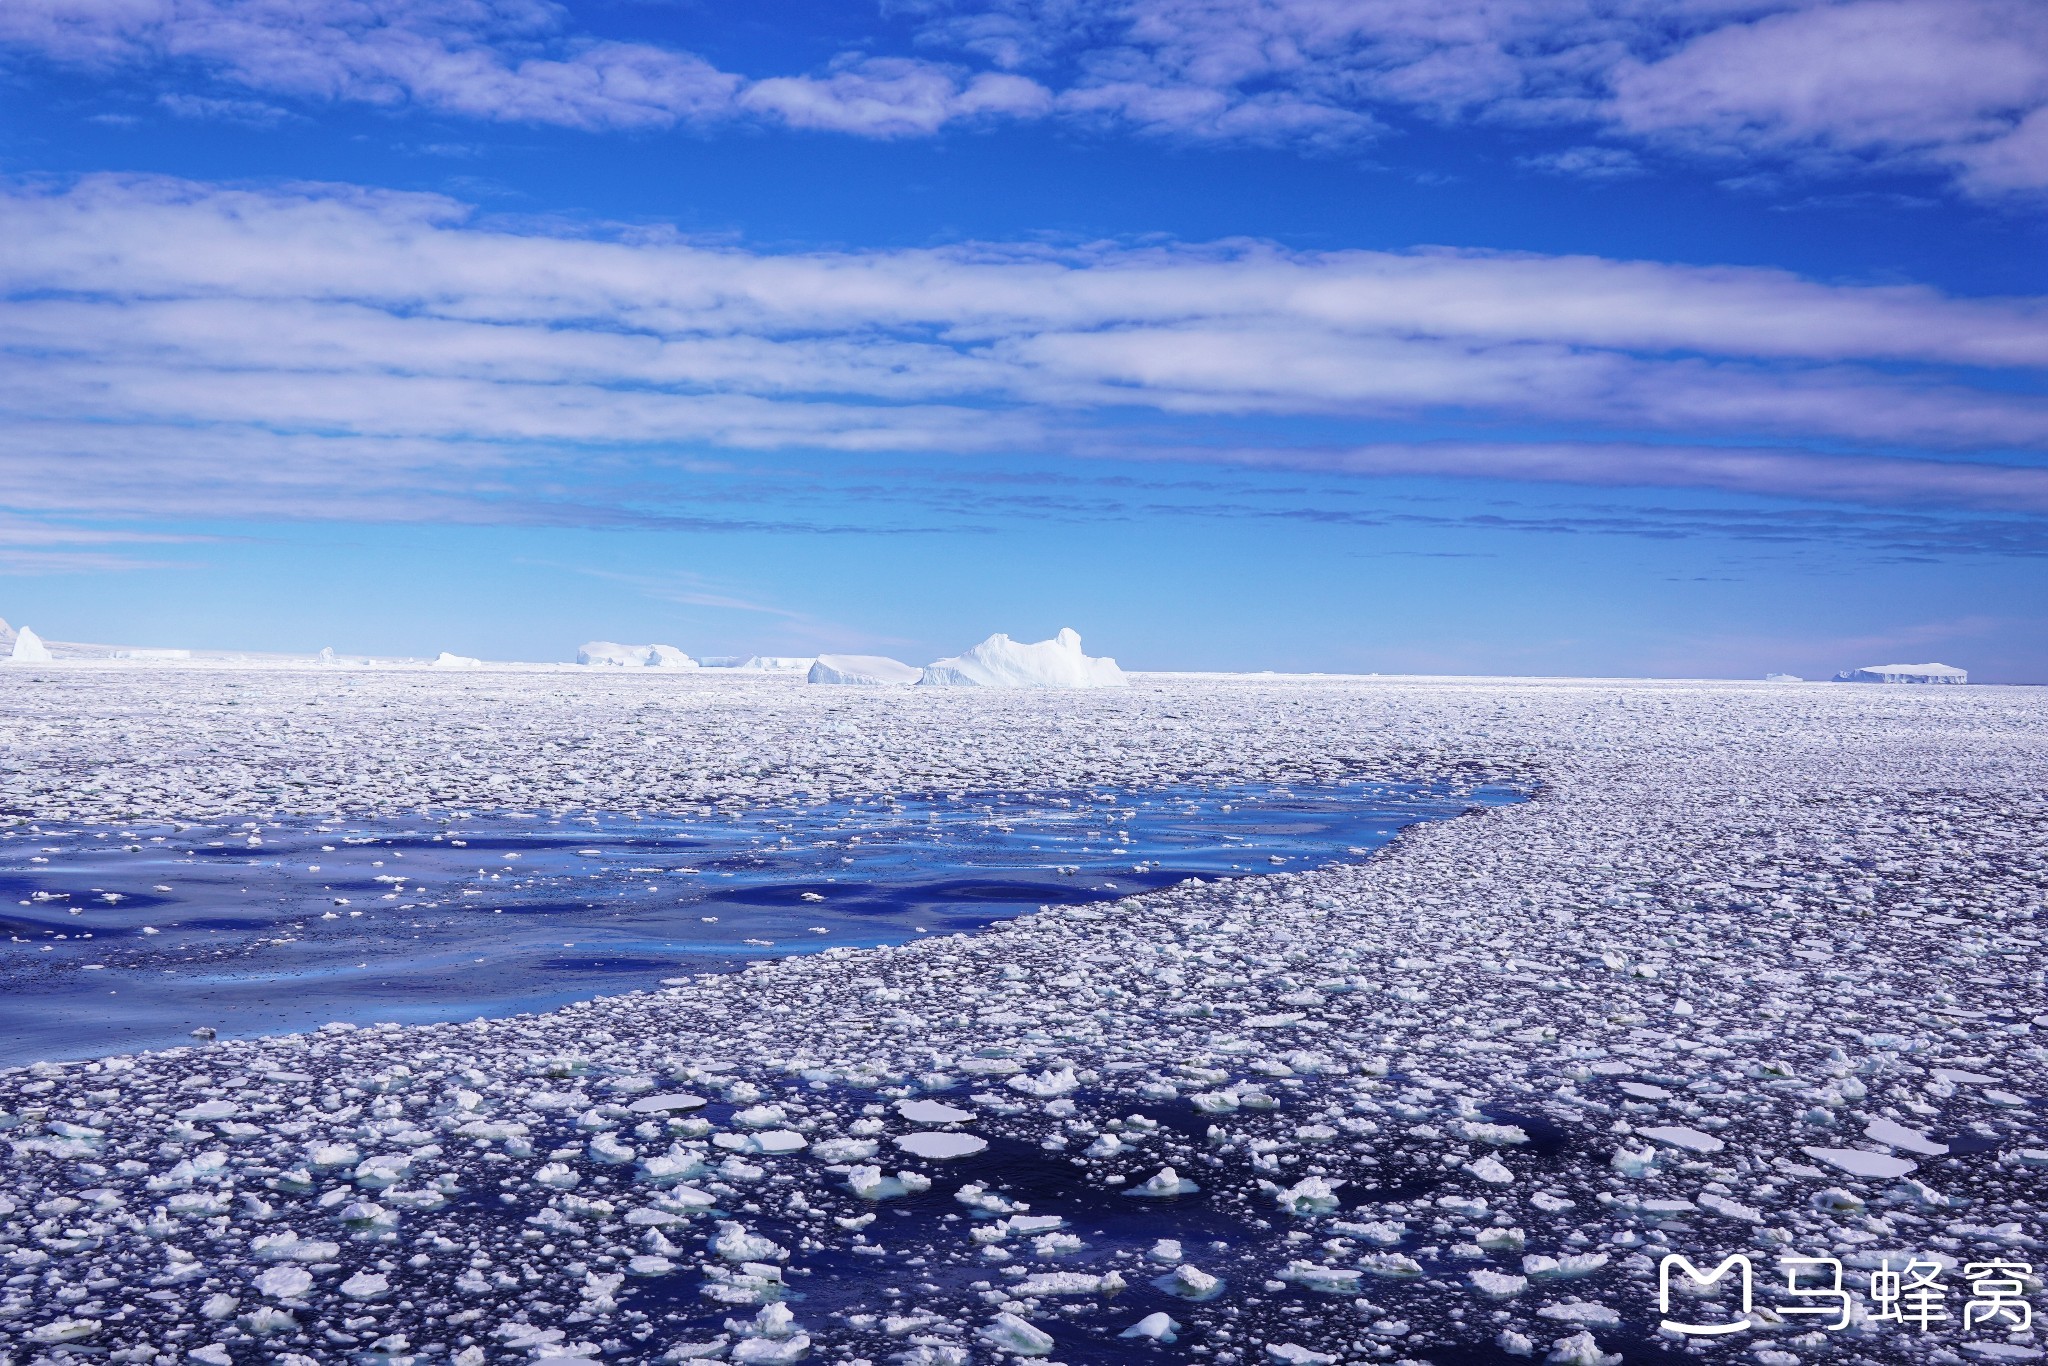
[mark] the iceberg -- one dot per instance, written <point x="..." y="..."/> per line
<point x="1000" y="662"/>
<point x="448" y="661"/>
<point x="863" y="670"/>
<point x="777" y="664"/>
<point x="611" y="654"/>
<point x="1783" y="678"/>
<point x="1904" y="673"/>
<point x="29" y="648"/>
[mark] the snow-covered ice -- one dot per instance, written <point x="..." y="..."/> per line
<point x="1904" y="673"/>
<point x="1000" y="662"/>
<point x="862" y="670"/>
<point x="1802" y="923"/>
<point x="611" y="654"/>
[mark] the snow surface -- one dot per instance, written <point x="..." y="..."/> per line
<point x="1794" y="912"/>
<point x="611" y="654"/>
<point x="862" y="670"/>
<point x="1000" y="662"/>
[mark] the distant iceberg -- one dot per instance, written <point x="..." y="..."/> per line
<point x="778" y="664"/>
<point x="448" y="661"/>
<point x="1000" y="662"/>
<point x="29" y="648"/>
<point x="1783" y="678"/>
<point x="611" y="654"/>
<point x="1904" y="673"/>
<point x="863" y="670"/>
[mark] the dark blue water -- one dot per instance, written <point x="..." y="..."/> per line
<point x="132" y="937"/>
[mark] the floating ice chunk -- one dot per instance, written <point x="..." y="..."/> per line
<point x="1324" y="1280"/>
<point x="559" y="1175"/>
<point x="1730" y="1209"/>
<point x="366" y="1285"/>
<point x="1393" y="1265"/>
<point x="1166" y="1250"/>
<point x="869" y="1183"/>
<point x="1491" y="1170"/>
<point x="931" y="1112"/>
<point x="283" y="1282"/>
<point x="1580" y="1311"/>
<point x="1643" y="1090"/>
<point x="449" y="661"/>
<point x="871" y="671"/>
<point x="1857" y="1162"/>
<point x="1896" y="1135"/>
<point x="1000" y="662"/>
<point x="698" y="1351"/>
<point x="1570" y="1268"/>
<point x="1678" y="1136"/>
<point x="1008" y="1333"/>
<point x="736" y="1244"/>
<point x="846" y="1149"/>
<point x="773" y="1142"/>
<point x="1500" y="1135"/>
<point x="1156" y="1327"/>
<point x="1163" y="1184"/>
<point x="1046" y="1084"/>
<point x="938" y="1146"/>
<point x="1308" y="1196"/>
<point x="1498" y="1284"/>
<point x="769" y="1352"/>
<point x="666" y="1102"/>
<point x="211" y="1109"/>
<point x="1190" y="1283"/>
<point x="1047" y="1283"/>
<point x="29" y="649"/>
<point x="1580" y="1350"/>
<point x="1293" y="1354"/>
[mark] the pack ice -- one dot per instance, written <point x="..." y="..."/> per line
<point x="1755" y="970"/>
<point x="1000" y="662"/>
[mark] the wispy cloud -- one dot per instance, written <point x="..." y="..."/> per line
<point x="1959" y="86"/>
<point x="323" y="349"/>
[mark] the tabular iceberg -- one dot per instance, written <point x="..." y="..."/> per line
<point x="863" y="670"/>
<point x="446" y="660"/>
<point x="611" y="654"/>
<point x="29" y="648"/>
<point x="1000" y="662"/>
<point x="1904" y="673"/>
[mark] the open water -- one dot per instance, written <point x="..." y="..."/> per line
<point x="132" y="937"/>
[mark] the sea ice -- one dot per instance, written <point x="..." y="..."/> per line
<point x="939" y="1146"/>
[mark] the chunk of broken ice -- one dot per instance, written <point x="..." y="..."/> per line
<point x="1857" y="1162"/>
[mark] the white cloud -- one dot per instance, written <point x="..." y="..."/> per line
<point x="1957" y="85"/>
<point x="265" y="344"/>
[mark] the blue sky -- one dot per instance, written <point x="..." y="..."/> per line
<point x="1526" y="336"/>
